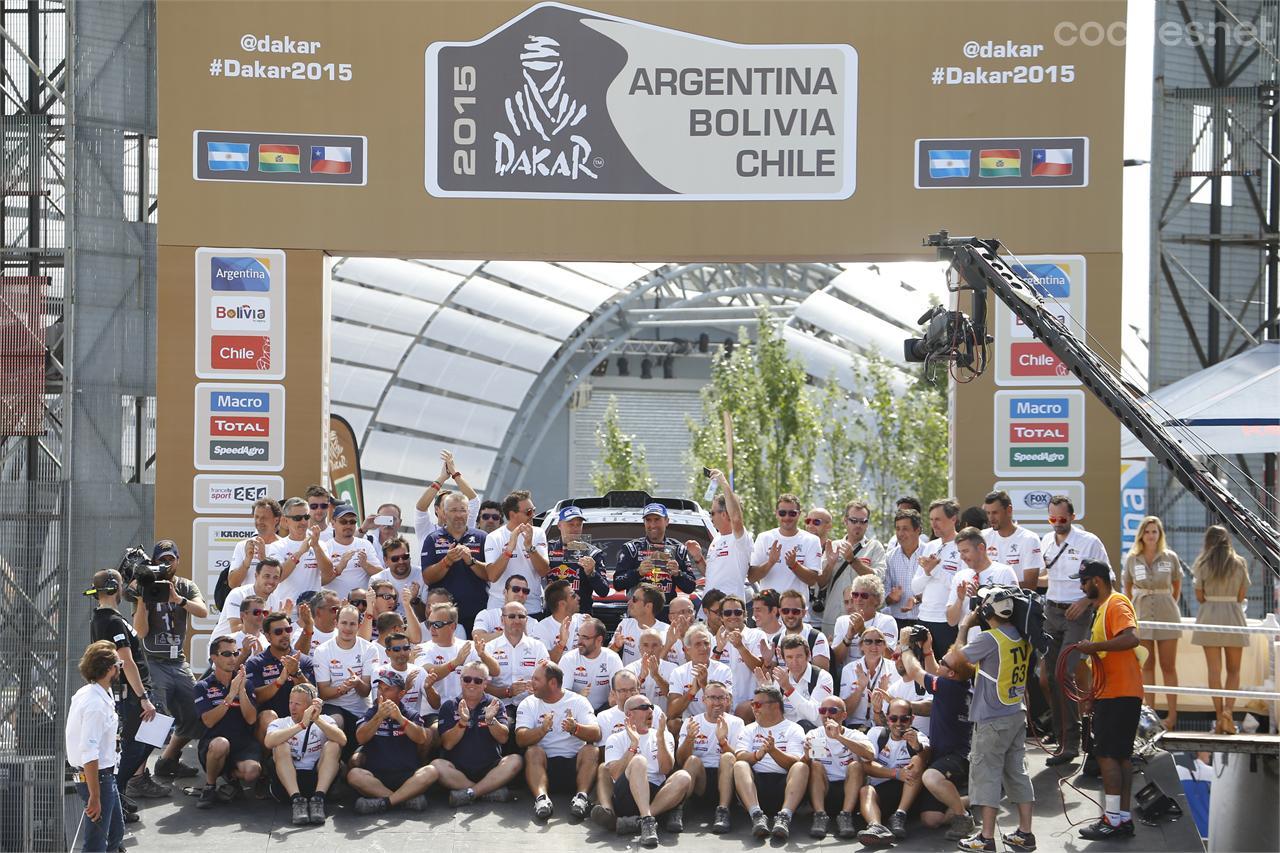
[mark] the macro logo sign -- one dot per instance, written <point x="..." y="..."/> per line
<point x="1039" y="431"/>
<point x="239" y="427"/>
<point x="1021" y="359"/>
<point x="563" y="102"/>
<point x="240" y="314"/>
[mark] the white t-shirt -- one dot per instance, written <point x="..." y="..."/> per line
<point x="886" y="623"/>
<point x="305" y="575"/>
<point x="611" y="721"/>
<point x="744" y="680"/>
<point x="237" y="557"/>
<point x="617" y="745"/>
<point x="780" y="577"/>
<point x="515" y="662"/>
<point x="581" y="672"/>
<point x="934" y="588"/>
<point x="489" y="621"/>
<point x="728" y="561"/>
<point x="862" y="715"/>
<point x="519" y="564"/>
<point x="705" y="746"/>
<point x="995" y="574"/>
<point x="1079" y="546"/>
<point x="306" y="745"/>
<point x="548" y="631"/>
<point x="557" y="743"/>
<point x="904" y="689"/>
<point x="833" y="755"/>
<point x="801" y="703"/>
<point x="414" y="677"/>
<point x="787" y="736"/>
<point x="821" y="647"/>
<point x="648" y="686"/>
<point x="335" y="664"/>
<point x="414" y="576"/>
<point x="449" y="687"/>
<point x="1019" y="551"/>
<point x="682" y="679"/>
<point x="319" y="638"/>
<point x="353" y="576"/>
<point x="630" y="630"/>
<point x="896" y="753"/>
<point x="231" y="607"/>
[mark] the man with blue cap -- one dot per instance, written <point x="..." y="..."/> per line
<point x="655" y="559"/>
<point x="574" y="559"/>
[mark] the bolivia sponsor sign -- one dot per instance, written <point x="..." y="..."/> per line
<point x="233" y="493"/>
<point x="1039" y="431"/>
<point x="239" y="427"/>
<point x="240" y="329"/>
<point x="563" y="102"/>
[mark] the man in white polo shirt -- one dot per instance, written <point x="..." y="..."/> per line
<point x="728" y="557"/>
<point x="1008" y="543"/>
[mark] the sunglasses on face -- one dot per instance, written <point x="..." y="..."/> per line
<point x="439" y="623"/>
<point x="287" y="629"/>
<point x="219" y="654"/>
<point x="872" y="641"/>
<point x="257" y="611"/>
<point x="642" y="708"/>
<point x="520" y="590"/>
<point x="863" y="595"/>
<point x="168" y="561"/>
<point x="403" y="558"/>
<point x="788" y="513"/>
<point x="297" y="517"/>
<point x="530" y="511"/>
<point x="318" y="506"/>
<point x="332" y="607"/>
<point x="899" y="718"/>
<point x="732" y="613"/>
<point x="715" y="697"/>
<point x="851" y="520"/>
<point x="830" y="711"/>
<point x="757" y="704"/>
<point x="813" y="521"/>
<point x="346" y="519"/>
<point x="387" y="596"/>
<point x="518" y="616"/>
<point x="1058" y="519"/>
<point x="792" y="611"/>
<point x="359" y="603"/>
<point x="472" y="679"/>
<point x="403" y="648"/>
<point x="490" y="516"/>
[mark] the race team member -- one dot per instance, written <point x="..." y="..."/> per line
<point x="444" y="656"/>
<point x="389" y="774"/>
<point x="653" y="673"/>
<point x="517" y="655"/>
<point x="644" y="603"/>
<point x="682" y="618"/>
<point x="835" y="756"/>
<point x="860" y="679"/>
<point x="273" y="672"/>
<point x="786" y="557"/>
<point x="769" y="772"/>
<point x="249" y="552"/>
<point x="355" y="559"/>
<point x="936" y="573"/>
<point x="554" y="727"/>
<point x="792" y="610"/>
<point x="901" y="565"/>
<point x="706" y="748"/>
<point x="453" y="558"/>
<point x="737" y="646"/>
<point x="489" y="516"/>
<point x="1113" y="638"/>
<point x="854" y="556"/>
<point x="803" y="685"/>
<point x="404" y="576"/>
<point x="689" y="681"/>
<point x="517" y="548"/>
<point x="728" y="557"/>
<point x="344" y="668"/>
<point x="655" y="560"/>
<point x="425" y="511"/>
<point x="304" y="563"/>
<point x="306" y="748"/>
<point x="397" y="655"/>
<point x="318" y="502"/>
<point x="894" y="777"/>
<point x="612" y="720"/>
<point x="862" y="600"/>
<point x="979" y="571"/>
<point x="488" y="622"/>
<point x="266" y="579"/>
<point x="576" y="560"/>
<point x="473" y="729"/>
<point x="249" y="639"/>
<point x="227" y="709"/>
<point x="1009" y="543"/>
<point x="640" y="777"/>
<point x="589" y="668"/>
<point x="383" y="595"/>
<point x="318" y="618"/>
<point x="559" y="630"/>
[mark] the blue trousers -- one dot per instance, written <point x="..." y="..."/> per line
<point x="107" y="831"/>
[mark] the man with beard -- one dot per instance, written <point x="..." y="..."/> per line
<point x="792" y="609"/>
<point x="589" y="668"/>
<point x="574" y="559"/>
<point x="554" y="728"/>
<point x="656" y="560"/>
<point x="355" y="559"/>
<point x="769" y="772"/>
<point x="738" y="646"/>
<point x="228" y="711"/>
<point x="389" y="774"/>
<point x="559" y="630"/>
<point x="894" y="777"/>
<point x="640" y="778"/>
<point x="273" y="672"/>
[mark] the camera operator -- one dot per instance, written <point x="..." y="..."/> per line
<point x="133" y="696"/>
<point x="163" y="607"/>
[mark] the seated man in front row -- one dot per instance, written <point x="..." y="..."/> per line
<point x="706" y="750"/>
<point x="768" y="769"/>
<point x="226" y="708"/>
<point x="556" y="729"/>
<point x="389" y="736"/>
<point x="836" y="754"/>
<point x="473" y="731"/>
<point x="307" y="746"/>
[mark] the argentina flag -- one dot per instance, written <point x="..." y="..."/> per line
<point x="228" y="156"/>
<point x="949" y="163"/>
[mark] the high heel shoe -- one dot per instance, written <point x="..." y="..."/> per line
<point x="1228" y="724"/>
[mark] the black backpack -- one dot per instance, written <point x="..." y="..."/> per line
<point x="223" y="588"/>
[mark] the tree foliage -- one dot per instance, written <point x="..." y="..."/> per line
<point x="622" y="463"/>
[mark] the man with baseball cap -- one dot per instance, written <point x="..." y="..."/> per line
<point x="388" y="774"/>
<point x="355" y="559"/>
<point x="655" y="559"/>
<point x="1113" y="637"/>
<point x="574" y="559"/>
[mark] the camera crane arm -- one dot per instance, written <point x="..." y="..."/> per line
<point x="978" y="263"/>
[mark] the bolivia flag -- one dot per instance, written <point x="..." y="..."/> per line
<point x="278" y="158"/>
<point x="1050" y="162"/>
<point x="330" y="161"/>
<point x="1000" y="163"/>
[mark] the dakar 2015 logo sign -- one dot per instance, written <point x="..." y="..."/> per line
<point x="563" y="102"/>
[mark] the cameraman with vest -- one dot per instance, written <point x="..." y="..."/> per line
<point x="1001" y="659"/>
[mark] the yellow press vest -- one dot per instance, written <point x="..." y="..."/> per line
<point x="1015" y="664"/>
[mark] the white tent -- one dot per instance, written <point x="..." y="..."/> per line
<point x="1230" y="407"/>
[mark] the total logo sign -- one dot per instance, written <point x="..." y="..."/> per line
<point x="1039" y="431"/>
<point x="240" y="300"/>
<point x="1020" y="358"/>
<point x="239" y="427"/>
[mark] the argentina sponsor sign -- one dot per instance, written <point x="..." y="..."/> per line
<point x="562" y="102"/>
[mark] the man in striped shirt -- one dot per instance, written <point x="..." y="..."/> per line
<point x="900" y="567"/>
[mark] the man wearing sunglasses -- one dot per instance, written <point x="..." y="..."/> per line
<point x="517" y="655"/>
<point x="554" y="727"/>
<point x="792" y="610"/>
<point x="390" y="772"/>
<point x="453" y="558"/>
<point x="489" y="517"/>
<point x="319" y="503"/>
<point x="248" y="552"/>
<point x="786" y="557"/>
<point x="403" y="576"/>
<point x="473" y="733"/>
<point x="229" y="714"/>
<point x="488" y="623"/>
<point x="738" y="647"/>
<point x="344" y="672"/>
<point x="856" y="555"/>
<point x="689" y="680"/>
<point x="305" y="564"/>
<point x="728" y="557"/>
<point x="318" y="618"/>
<point x="273" y="672"/>
<point x="655" y="560"/>
<point x="397" y="654"/>
<point x="355" y="559"/>
<point x="835" y="769"/>
<point x="517" y="548"/>
<point x="769" y="772"/>
<point x="445" y="655"/>
<point x="640" y="781"/>
<point x="590" y="667"/>
<point x="249" y="639"/>
<point x="706" y="750"/>
<point x="894" y="777"/>
<point x="306" y="748"/>
<point x="574" y="559"/>
<point x="862" y="600"/>
<point x="266" y="580"/>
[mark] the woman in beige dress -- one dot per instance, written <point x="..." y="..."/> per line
<point x="1222" y="582"/>
<point x="1153" y="580"/>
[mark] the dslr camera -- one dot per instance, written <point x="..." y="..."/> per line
<point x="153" y="580"/>
<point x="916" y="635"/>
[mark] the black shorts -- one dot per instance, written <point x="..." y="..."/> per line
<point x="562" y="775"/>
<point x="713" y="782"/>
<point x="770" y="791"/>
<point x="307" y="781"/>
<point x="1115" y="722"/>
<point x="834" y="802"/>
<point x="349" y="723"/>
<point x="954" y="766"/>
<point x="475" y="774"/>
<point x="624" y="805"/>
<point x="889" y="794"/>
<point x="241" y="750"/>
<point x="392" y="778"/>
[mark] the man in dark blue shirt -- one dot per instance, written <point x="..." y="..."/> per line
<point x="273" y="672"/>
<point x="655" y="559"/>
<point x="473" y="732"/>
<point x="385" y="771"/>
<point x="452" y="557"/>
<point x="227" y="710"/>
<point x="576" y="560"/>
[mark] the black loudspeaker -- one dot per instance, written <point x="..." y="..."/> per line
<point x="1152" y="803"/>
